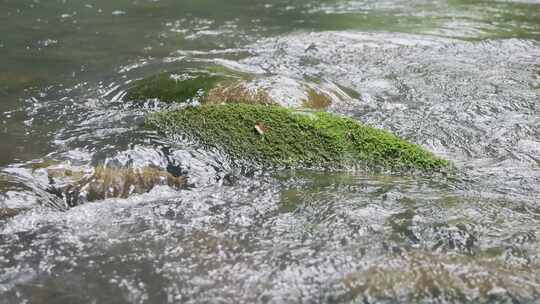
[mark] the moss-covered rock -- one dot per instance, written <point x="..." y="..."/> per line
<point x="270" y="135"/>
<point x="172" y="87"/>
<point x="208" y="88"/>
<point x="217" y="84"/>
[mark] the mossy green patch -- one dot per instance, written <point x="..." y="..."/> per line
<point x="171" y="87"/>
<point x="271" y="135"/>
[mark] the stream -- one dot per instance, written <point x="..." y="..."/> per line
<point x="460" y="78"/>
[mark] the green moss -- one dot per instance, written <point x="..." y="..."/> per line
<point x="270" y="135"/>
<point x="171" y="87"/>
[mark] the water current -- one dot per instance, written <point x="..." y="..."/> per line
<point x="460" y="78"/>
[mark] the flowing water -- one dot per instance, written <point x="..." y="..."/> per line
<point x="461" y="78"/>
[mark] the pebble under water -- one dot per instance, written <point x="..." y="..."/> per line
<point x="460" y="78"/>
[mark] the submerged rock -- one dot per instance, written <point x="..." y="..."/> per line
<point x="317" y="100"/>
<point x="108" y="182"/>
<point x="220" y="85"/>
<point x="16" y="81"/>
<point x="418" y="274"/>
<point x="6" y="213"/>
<point x="171" y="87"/>
<point x="271" y="135"/>
<point x="238" y="92"/>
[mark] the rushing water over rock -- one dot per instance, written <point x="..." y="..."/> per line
<point x="460" y="78"/>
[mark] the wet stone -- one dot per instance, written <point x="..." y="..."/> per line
<point x="191" y="85"/>
<point x="108" y="182"/>
<point x="238" y="92"/>
<point x="6" y="213"/>
<point x="317" y="100"/>
<point x="173" y="87"/>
